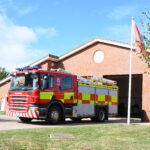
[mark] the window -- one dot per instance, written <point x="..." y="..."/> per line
<point x="51" y="81"/>
<point x="66" y="83"/>
<point x="48" y="81"/>
<point x="98" y="56"/>
<point x="22" y="82"/>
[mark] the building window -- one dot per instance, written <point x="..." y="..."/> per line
<point x="98" y="56"/>
<point x="66" y="83"/>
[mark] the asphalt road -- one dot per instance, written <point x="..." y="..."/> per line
<point x="9" y="123"/>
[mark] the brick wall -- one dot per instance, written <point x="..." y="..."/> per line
<point x="4" y="91"/>
<point x="116" y="61"/>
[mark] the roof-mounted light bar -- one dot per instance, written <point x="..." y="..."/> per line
<point x="29" y="68"/>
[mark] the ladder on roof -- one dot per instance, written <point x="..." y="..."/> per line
<point x="103" y="80"/>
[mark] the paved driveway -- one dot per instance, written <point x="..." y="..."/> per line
<point x="8" y="123"/>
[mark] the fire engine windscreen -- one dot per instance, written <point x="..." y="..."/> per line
<point x="24" y="82"/>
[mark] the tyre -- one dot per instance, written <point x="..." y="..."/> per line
<point x="25" y="120"/>
<point x="101" y="115"/>
<point x="54" y="115"/>
<point x="76" y="119"/>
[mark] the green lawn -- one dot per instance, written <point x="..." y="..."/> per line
<point x="92" y="137"/>
<point x="2" y="112"/>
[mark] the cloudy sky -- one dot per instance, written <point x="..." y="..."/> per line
<point x="31" y="29"/>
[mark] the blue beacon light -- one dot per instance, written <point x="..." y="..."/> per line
<point x="29" y="68"/>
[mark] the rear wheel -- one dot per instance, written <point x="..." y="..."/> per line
<point x="25" y="120"/>
<point x="54" y="115"/>
<point x="101" y="115"/>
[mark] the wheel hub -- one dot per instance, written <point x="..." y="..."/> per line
<point x="101" y="115"/>
<point x="55" y="115"/>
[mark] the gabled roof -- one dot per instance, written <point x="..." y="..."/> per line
<point x="93" y="41"/>
<point x="79" y="48"/>
<point x="73" y="51"/>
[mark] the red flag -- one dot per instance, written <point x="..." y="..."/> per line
<point x="140" y="47"/>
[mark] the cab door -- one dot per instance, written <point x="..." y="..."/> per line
<point x="47" y="88"/>
<point x="66" y="91"/>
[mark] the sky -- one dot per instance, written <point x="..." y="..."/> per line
<point x="32" y="29"/>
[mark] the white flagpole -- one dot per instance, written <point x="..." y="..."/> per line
<point x="130" y="75"/>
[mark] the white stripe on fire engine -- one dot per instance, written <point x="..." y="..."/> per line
<point x="37" y="113"/>
<point x="30" y="115"/>
<point x="34" y="114"/>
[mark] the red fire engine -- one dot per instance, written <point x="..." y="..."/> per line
<point x="58" y="94"/>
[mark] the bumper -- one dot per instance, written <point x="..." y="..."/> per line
<point x="30" y="114"/>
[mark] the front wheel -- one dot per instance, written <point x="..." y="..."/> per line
<point x="54" y="115"/>
<point x="25" y="120"/>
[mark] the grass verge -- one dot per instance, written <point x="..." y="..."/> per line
<point x="95" y="137"/>
<point x="2" y="112"/>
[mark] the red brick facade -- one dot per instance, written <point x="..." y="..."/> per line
<point x="116" y="62"/>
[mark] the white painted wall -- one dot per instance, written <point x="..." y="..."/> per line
<point x="3" y="104"/>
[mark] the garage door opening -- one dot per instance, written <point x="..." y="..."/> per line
<point x="136" y="94"/>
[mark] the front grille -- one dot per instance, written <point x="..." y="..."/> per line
<point x="19" y="97"/>
<point x="18" y="103"/>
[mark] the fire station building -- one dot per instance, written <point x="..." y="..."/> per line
<point x="102" y="58"/>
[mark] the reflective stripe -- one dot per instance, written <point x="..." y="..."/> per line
<point x="101" y="97"/>
<point x="92" y="102"/>
<point x="46" y="95"/>
<point x="79" y="101"/>
<point x="68" y="95"/>
<point x="114" y="98"/>
<point x="86" y="96"/>
<point x="28" y="114"/>
<point x="75" y="100"/>
<point x="112" y="87"/>
<point x="62" y="100"/>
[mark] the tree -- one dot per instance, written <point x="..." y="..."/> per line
<point x="146" y="38"/>
<point x="3" y="73"/>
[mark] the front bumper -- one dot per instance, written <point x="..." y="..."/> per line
<point x="29" y="114"/>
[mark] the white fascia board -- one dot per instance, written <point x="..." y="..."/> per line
<point x="42" y="60"/>
<point x="5" y="80"/>
<point x="92" y="42"/>
<point x="115" y="43"/>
